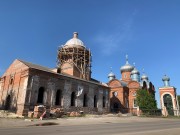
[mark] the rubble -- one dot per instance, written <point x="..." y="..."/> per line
<point x="56" y="112"/>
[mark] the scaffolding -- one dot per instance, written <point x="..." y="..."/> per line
<point x="78" y="56"/>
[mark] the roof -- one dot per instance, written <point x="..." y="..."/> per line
<point x="35" y="66"/>
<point x="42" y="68"/>
<point x="165" y="78"/>
<point x="124" y="84"/>
<point x="74" y="42"/>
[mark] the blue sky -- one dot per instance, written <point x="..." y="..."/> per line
<point x="147" y="30"/>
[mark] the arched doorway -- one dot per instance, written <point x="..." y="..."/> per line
<point x="58" y="97"/>
<point x="73" y="97"/>
<point x="8" y="103"/>
<point x="168" y="103"/>
<point x="40" y="95"/>
<point x="116" y="107"/>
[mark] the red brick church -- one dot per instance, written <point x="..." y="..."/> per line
<point x="123" y="91"/>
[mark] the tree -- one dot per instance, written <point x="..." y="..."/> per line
<point x="146" y="100"/>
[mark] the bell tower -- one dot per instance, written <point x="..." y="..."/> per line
<point x="168" y="98"/>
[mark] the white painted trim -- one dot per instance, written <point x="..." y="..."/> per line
<point x="168" y="90"/>
<point x="167" y="87"/>
<point x="162" y="101"/>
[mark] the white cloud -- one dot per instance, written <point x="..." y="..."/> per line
<point x="117" y="38"/>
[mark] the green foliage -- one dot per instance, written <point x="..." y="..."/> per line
<point x="146" y="100"/>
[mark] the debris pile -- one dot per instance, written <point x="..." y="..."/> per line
<point x="56" y="112"/>
<point x="38" y="111"/>
<point x="74" y="114"/>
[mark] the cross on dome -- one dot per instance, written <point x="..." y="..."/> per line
<point x="127" y="59"/>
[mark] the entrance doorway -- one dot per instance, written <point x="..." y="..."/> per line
<point x="116" y="107"/>
<point x="168" y="103"/>
<point x="8" y="102"/>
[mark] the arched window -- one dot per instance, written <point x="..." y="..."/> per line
<point x="58" y="97"/>
<point x="73" y="96"/>
<point x="150" y="86"/>
<point x="95" y="101"/>
<point x="104" y="101"/>
<point x="40" y="95"/>
<point x="11" y="81"/>
<point x="85" y="100"/>
<point x="144" y="85"/>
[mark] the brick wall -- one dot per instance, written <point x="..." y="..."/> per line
<point x="24" y="90"/>
<point x="13" y="84"/>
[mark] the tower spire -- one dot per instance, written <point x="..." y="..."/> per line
<point x="127" y="59"/>
<point x="75" y="35"/>
<point x="143" y="71"/>
<point x="134" y="64"/>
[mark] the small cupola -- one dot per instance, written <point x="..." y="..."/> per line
<point x="144" y="77"/>
<point x="111" y="75"/>
<point x="166" y="80"/>
<point x="135" y="75"/>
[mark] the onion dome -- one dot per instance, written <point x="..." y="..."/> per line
<point x="111" y="76"/>
<point x="127" y="67"/>
<point x="74" y="42"/>
<point x="144" y="77"/>
<point x="165" y="78"/>
<point x="135" y="71"/>
<point x="135" y="75"/>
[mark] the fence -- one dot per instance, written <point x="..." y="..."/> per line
<point x="151" y="112"/>
<point x="148" y="112"/>
<point x="159" y="112"/>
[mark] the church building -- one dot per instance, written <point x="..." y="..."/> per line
<point x="123" y="91"/>
<point x="25" y="85"/>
